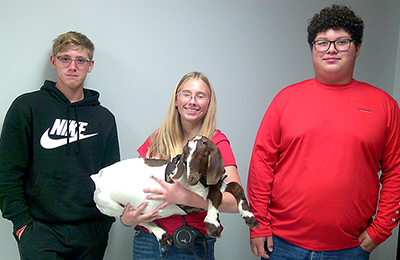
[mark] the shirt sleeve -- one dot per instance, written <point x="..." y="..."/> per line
<point x="261" y="171"/>
<point x="225" y="148"/>
<point x="112" y="154"/>
<point x="142" y="150"/>
<point x="15" y="148"/>
<point x="387" y="215"/>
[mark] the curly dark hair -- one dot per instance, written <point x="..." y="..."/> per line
<point x="336" y="17"/>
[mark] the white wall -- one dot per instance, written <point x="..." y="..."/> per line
<point x="250" y="50"/>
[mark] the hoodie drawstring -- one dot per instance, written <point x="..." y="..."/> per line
<point x="68" y="135"/>
<point x="78" y="145"/>
<point x="78" y="142"/>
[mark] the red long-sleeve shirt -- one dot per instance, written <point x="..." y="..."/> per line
<point x="314" y="173"/>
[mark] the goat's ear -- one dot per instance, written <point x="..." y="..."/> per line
<point x="180" y="170"/>
<point x="215" y="169"/>
<point x="181" y="167"/>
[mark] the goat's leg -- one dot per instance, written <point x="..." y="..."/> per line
<point x="158" y="232"/>
<point x="243" y="206"/>
<point x="214" y="200"/>
<point x="107" y="205"/>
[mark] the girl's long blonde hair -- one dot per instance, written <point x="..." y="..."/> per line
<point x="166" y="141"/>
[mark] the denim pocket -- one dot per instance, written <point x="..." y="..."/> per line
<point x="364" y="251"/>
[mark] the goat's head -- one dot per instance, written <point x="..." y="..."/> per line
<point x="201" y="159"/>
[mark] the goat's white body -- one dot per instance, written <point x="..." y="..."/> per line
<point x="124" y="182"/>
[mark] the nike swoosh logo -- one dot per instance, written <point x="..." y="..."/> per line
<point x="47" y="143"/>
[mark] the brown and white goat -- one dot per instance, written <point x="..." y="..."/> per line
<point x="200" y="169"/>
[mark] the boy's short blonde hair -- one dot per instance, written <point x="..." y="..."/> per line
<point x="73" y="40"/>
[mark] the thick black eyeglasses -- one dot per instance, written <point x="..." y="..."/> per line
<point x="340" y="45"/>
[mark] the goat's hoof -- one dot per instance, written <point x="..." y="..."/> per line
<point x="251" y="222"/>
<point x="166" y="239"/>
<point x="213" y="231"/>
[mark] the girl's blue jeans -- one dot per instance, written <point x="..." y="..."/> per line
<point x="146" y="247"/>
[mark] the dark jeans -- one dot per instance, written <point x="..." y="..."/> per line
<point x="284" y="250"/>
<point x="55" y="242"/>
<point x="146" y="247"/>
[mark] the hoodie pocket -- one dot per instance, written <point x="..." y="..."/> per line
<point x="35" y="187"/>
<point x="63" y="198"/>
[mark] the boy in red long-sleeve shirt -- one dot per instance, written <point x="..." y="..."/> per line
<point x="314" y="179"/>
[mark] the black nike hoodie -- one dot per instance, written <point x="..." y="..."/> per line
<point x="49" y="147"/>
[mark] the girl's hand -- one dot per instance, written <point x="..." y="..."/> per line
<point x="172" y="193"/>
<point x="132" y="217"/>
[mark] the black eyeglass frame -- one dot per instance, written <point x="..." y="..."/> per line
<point x="334" y="44"/>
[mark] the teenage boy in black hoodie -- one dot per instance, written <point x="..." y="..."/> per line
<point x="51" y="142"/>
